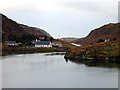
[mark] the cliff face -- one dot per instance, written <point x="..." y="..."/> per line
<point x="109" y="31"/>
<point x="11" y="27"/>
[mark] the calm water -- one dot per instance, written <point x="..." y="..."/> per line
<point x="75" y="44"/>
<point x="0" y="72"/>
<point x="46" y="71"/>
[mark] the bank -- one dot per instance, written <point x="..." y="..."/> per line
<point x="103" y="52"/>
<point x="25" y="50"/>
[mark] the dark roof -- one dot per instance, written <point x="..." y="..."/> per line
<point x="42" y="43"/>
<point x="57" y="43"/>
<point x="41" y="37"/>
<point x="33" y="41"/>
<point x="12" y="42"/>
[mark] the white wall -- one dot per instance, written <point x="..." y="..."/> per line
<point x="43" y="45"/>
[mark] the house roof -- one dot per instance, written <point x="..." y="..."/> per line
<point x="34" y="41"/>
<point x="11" y="42"/>
<point x="41" y="37"/>
<point x="42" y="43"/>
<point x="57" y="43"/>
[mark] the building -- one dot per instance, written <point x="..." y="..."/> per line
<point x="43" y="44"/>
<point x="57" y="44"/>
<point x="41" y="38"/>
<point x="107" y="40"/>
<point x="19" y="44"/>
<point x="34" y="41"/>
<point x="10" y="43"/>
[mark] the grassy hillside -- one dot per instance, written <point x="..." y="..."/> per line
<point x="110" y="31"/>
<point x="103" y="50"/>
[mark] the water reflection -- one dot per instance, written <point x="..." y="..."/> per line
<point x="96" y="63"/>
<point x="55" y="53"/>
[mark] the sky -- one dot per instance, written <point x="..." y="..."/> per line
<point x="62" y="18"/>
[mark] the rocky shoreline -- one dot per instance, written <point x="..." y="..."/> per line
<point x="110" y="62"/>
<point x="102" y="53"/>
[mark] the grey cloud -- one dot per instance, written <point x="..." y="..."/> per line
<point x="60" y="23"/>
<point x="99" y="8"/>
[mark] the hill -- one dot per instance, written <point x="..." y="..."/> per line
<point x="11" y="30"/>
<point x="95" y="49"/>
<point x="68" y="39"/>
<point x="11" y="27"/>
<point x="109" y="31"/>
<point x="35" y="31"/>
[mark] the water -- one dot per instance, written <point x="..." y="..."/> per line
<point x="0" y="73"/>
<point x="52" y="71"/>
<point x="75" y="44"/>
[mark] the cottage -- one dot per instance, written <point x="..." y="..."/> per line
<point x="34" y="41"/>
<point x="43" y="44"/>
<point x="41" y="38"/>
<point x="107" y="40"/>
<point x="57" y="44"/>
<point x="10" y="43"/>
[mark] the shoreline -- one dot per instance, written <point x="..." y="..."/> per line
<point x="109" y="62"/>
<point x="21" y="50"/>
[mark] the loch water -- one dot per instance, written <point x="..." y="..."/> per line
<point x="45" y="70"/>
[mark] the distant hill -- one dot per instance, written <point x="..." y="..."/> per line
<point x="109" y="31"/>
<point x="68" y="39"/>
<point x="12" y="28"/>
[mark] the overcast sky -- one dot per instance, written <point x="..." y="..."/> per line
<point x="62" y="18"/>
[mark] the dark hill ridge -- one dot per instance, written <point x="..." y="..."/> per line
<point x="108" y="31"/>
<point x="35" y="31"/>
<point x="11" y="27"/>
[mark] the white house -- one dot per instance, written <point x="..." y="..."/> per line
<point x="107" y="40"/>
<point x="10" y="43"/>
<point x="43" y="44"/>
<point x="57" y="44"/>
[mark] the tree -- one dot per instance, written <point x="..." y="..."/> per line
<point x="11" y="37"/>
<point x="46" y="38"/>
<point x="14" y="38"/>
<point x="51" y="39"/>
<point x="100" y="40"/>
<point x="23" y="37"/>
<point x="115" y="38"/>
<point x="3" y="38"/>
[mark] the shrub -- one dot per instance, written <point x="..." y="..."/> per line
<point x="100" y="40"/>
